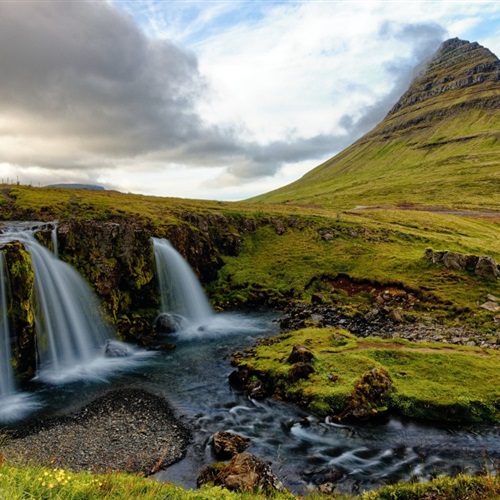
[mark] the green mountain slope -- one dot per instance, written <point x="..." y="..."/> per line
<point x="439" y="145"/>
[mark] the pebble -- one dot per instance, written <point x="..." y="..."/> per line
<point x="126" y="430"/>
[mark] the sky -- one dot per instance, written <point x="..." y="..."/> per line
<point x="212" y="99"/>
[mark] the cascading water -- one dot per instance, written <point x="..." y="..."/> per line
<point x="71" y="330"/>
<point x="7" y="386"/>
<point x="180" y="291"/>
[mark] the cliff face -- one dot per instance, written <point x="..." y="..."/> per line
<point x="460" y="76"/>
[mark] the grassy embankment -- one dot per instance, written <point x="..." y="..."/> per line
<point x="429" y="380"/>
<point x="384" y="247"/>
<point x="34" y="482"/>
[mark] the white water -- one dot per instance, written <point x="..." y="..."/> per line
<point x="180" y="290"/>
<point x="71" y="330"/>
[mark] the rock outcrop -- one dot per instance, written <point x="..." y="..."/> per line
<point x="481" y="265"/>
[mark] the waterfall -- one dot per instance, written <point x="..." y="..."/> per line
<point x="53" y="236"/>
<point x="7" y="385"/>
<point x="180" y="290"/>
<point x="71" y="330"/>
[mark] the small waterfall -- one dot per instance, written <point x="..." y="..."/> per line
<point x="7" y="386"/>
<point x="53" y="236"/>
<point x="71" y="330"/>
<point x="180" y="290"/>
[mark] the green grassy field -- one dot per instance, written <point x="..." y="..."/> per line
<point x="429" y="380"/>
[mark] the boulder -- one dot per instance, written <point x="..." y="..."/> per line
<point x="115" y="349"/>
<point x="455" y="261"/>
<point x="244" y="472"/>
<point x="300" y="354"/>
<point x="299" y="371"/>
<point x="487" y="267"/>
<point x="228" y="444"/>
<point x="167" y="323"/>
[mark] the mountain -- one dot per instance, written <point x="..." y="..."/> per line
<point x="77" y="186"/>
<point x="439" y="145"/>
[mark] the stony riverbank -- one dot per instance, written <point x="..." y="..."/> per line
<point x="126" y="430"/>
<point x="384" y="323"/>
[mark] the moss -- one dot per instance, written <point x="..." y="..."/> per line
<point x="362" y="378"/>
<point x="21" y="308"/>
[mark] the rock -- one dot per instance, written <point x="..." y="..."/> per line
<point x="396" y="316"/>
<point x="455" y="261"/>
<point x="491" y="306"/>
<point x="487" y="267"/>
<point x="227" y="444"/>
<point x="244" y="472"/>
<point x="483" y="266"/>
<point x="317" y="298"/>
<point x="167" y="323"/>
<point x="492" y="298"/>
<point x="300" y="370"/>
<point x="369" y="396"/>
<point x="300" y="354"/>
<point x="115" y="349"/>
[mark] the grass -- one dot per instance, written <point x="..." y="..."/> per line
<point x="430" y="381"/>
<point x="57" y="484"/>
<point x="291" y="265"/>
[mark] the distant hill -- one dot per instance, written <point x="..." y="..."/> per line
<point x="439" y="145"/>
<point x="78" y="186"/>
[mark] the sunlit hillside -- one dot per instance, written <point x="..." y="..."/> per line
<point x="438" y="146"/>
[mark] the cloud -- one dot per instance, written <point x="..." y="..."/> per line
<point x="98" y="90"/>
<point x="83" y="71"/>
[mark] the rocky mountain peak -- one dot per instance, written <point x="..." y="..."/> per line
<point x="456" y="65"/>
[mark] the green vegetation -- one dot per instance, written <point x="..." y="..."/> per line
<point x="426" y="380"/>
<point x="35" y="482"/>
<point x="57" y="484"/>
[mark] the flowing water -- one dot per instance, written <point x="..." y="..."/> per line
<point x="180" y="291"/>
<point x="70" y="328"/>
<point x="304" y="451"/>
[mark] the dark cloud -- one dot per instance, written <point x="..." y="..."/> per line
<point x="83" y="70"/>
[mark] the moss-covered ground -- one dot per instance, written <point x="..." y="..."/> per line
<point x="428" y="380"/>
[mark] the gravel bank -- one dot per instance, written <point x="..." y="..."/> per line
<point x="126" y="430"/>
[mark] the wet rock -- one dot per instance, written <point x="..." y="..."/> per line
<point x="300" y="354"/>
<point x="299" y="371"/>
<point x="228" y="444"/>
<point x="116" y="350"/>
<point x="245" y="472"/>
<point x="167" y="323"/>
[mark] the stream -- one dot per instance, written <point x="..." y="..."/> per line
<point x="303" y="450"/>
